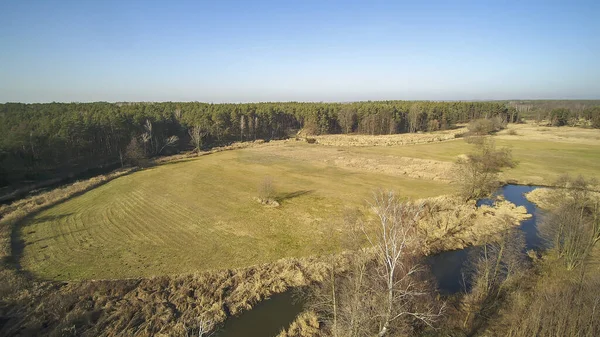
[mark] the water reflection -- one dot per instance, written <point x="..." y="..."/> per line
<point x="447" y="267"/>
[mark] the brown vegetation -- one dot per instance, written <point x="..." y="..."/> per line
<point x="557" y="295"/>
<point x="167" y="305"/>
<point x="493" y="268"/>
<point x="477" y="174"/>
<point x="572" y="226"/>
<point x="135" y="154"/>
<point x="449" y="223"/>
<point x="266" y="192"/>
<point x="550" y="301"/>
<point x="556" y="308"/>
<point x="485" y="126"/>
<point x="388" y="140"/>
<point x="383" y="291"/>
<point x="565" y="134"/>
<point x="197" y="134"/>
<point x="305" y="325"/>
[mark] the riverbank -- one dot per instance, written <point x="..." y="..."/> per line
<point x="545" y="198"/>
<point x="449" y="223"/>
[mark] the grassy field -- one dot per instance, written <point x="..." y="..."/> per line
<point x="200" y="214"/>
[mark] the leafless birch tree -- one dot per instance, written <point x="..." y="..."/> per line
<point x="196" y="135"/>
<point x="382" y="291"/>
<point x="396" y="243"/>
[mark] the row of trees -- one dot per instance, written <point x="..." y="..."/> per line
<point x="39" y="141"/>
<point x="560" y="112"/>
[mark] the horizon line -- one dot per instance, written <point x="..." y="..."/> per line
<point x="309" y="102"/>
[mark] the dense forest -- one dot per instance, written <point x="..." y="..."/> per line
<point x="41" y="141"/>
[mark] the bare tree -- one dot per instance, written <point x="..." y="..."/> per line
<point x="250" y="127"/>
<point x="147" y="135"/>
<point x="413" y="117"/>
<point x="381" y="292"/>
<point x="347" y="119"/>
<point x="202" y="328"/>
<point x="486" y="126"/>
<point x="135" y="154"/>
<point x="477" y="174"/>
<point x="267" y="194"/>
<point x="490" y="268"/>
<point x="345" y="301"/>
<point x="196" y="133"/>
<point x="396" y="243"/>
<point x="242" y="127"/>
<point x="572" y="226"/>
<point x="169" y="142"/>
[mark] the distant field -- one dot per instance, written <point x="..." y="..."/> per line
<point x="200" y="214"/>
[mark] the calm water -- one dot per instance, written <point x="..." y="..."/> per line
<point x="447" y="266"/>
<point x="266" y="319"/>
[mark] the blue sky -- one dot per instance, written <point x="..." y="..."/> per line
<point x="249" y="51"/>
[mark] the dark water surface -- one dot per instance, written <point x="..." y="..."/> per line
<point x="447" y="266"/>
<point x="266" y="319"/>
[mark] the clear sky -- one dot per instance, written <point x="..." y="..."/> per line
<point x="241" y="51"/>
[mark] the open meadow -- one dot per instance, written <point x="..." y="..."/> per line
<point x="201" y="213"/>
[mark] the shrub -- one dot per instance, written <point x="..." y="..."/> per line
<point x="433" y="125"/>
<point x="572" y="226"/>
<point x="596" y="121"/>
<point x="311" y="127"/>
<point x="135" y="154"/>
<point x="485" y="126"/>
<point x="512" y="132"/>
<point x="311" y="140"/>
<point x="477" y="174"/>
<point x="560" y="117"/>
<point x="266" y="190"/>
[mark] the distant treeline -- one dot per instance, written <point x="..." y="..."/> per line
<point x="39" y="141"/>
<point x="559" y="112"/>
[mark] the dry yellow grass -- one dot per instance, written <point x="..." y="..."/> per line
<point x="540" y="197"/>
<point x="450" y="223"/>
<point x="563" y="134"/>
<point x="546" y="199"/>
<point x="158" y="306"/>
<point x="388" y="140"/>
<point x="305" y="325"/>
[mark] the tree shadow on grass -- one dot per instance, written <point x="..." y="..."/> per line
<point x="281" y="197"/>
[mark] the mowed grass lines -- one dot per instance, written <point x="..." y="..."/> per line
<point x="200" y="214"/>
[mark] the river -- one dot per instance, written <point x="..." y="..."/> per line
<point x="267" y="318"/>
<point x="270" y="316"/>
<point x="447" y="266"/>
